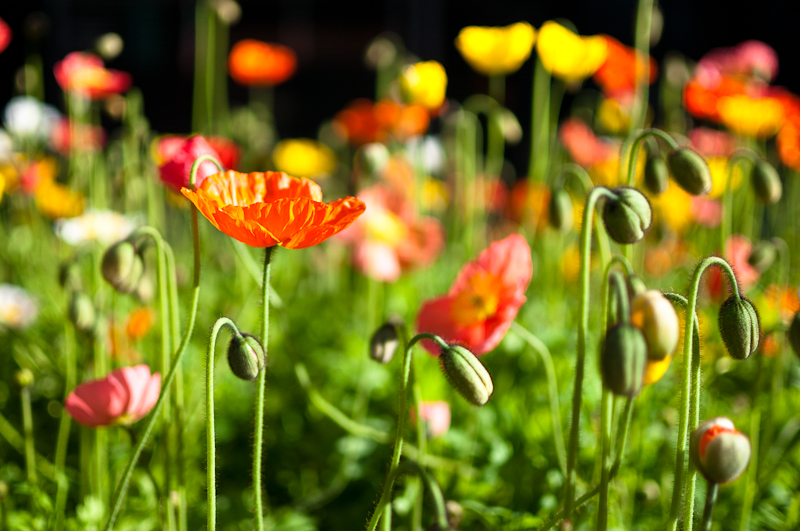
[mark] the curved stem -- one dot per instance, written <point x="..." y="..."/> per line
<point x="582" y="176"/>
<point x="711" y="499"/>
<point x="197" y="162"/>
<point x="552" y="388"/>
<point x="636" y="144"/>
<point x="604" y="288"/>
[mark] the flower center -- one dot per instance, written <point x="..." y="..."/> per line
<point x="386" y="227"/>
<point x="478" y="300"/>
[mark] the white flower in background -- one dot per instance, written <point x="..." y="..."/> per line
<point x="427" y="153"/>
<point x="17" y="308"/>
<point x="6" y="146"/>
<point x="103" y="226"/>
<point x="25" y="116"/>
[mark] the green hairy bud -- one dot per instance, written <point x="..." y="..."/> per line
<point x="739" y="327"/>
<point x="628" y="215"/>
<point x="623" y="359"/>
<point x="467" y="374"/>
<point x="81" y="311"/>
<point x="690" y="170"/>
<point x="246" y="357"/>
<point x="656" y="175"/>
<point x="122" y="266"/>
<point x="766" y="182"/>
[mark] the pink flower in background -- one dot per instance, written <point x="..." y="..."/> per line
<point x="749" y="58"/>
<point x="712" y="143"/>
<point x="436" y="415"/>
<point x="86" y="137"/>
<point x="484" y="299"/>
<point x="123" y="397"/>
<point x="85" y="74"/>
<point x="707" y="212"/>
<point x="175" y="156"/>
<point x="582" y="144"/>
<point x="737" y="252"/>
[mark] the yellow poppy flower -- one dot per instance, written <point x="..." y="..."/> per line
<point x="568" y="56"/>
<point x="719" y="175"/>
<point x="673" y="207"/>
<point x="424" y="83"/>
<point x="751" y="117"/>
<point x="303" y="157"/>
<point x="57" y="201"/>
<point x="613" y="116"/>
<point x="496" y="50"/>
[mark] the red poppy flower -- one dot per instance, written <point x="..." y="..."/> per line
<point x="85" y="74"/>
<point x="700" y="97"/>
<point x="622" y="66"/>
<point x="484" y="299"/>
<point x="5" y="35"/>
<point x="175" y="156"/>
<point x="272" y="208"/>
<point x="261" y="64"/>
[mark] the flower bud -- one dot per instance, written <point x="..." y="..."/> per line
<point x="635" y="285"/>
<point x="122" y="266"/>
<point x="561" y="212"/>
<point x="720" y="452"/>
<point x="246" y="356"/>
<point x="385" y="341"/>
<point x="794" y="333"/>
<point x="622" y="359"/>
<point x="763" y="255"/>
<point x="24" y="377"/>
<point x="656" y="175"/>
<point x="145" y="289"/>
<point x="739" y="327"/>
<point x="690" y="170"/>
<point x="81" y="311"/>
<point x="467" y="374"/>
<point x="655" y="316"/>
<point x="69" y="276"/>
<point x="628" y="215"/>
<point x="766" y="182"/>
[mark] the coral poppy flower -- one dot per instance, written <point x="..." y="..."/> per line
<point x="229" y="152"/>
<point x="272" y="208"/>
<point x="484" y="299"/>
<point x="5" y="35"/>
<point x="84" y="73"/>
<point x="622" y="67"/>
<point x="496" y="50"/>
<point x="712" y="143"/>
<point x="581" y="143"/>
<point x="424" y="83"/>
<point x="66" y="136"/>
<point x="175" y="157"/>
<point x="261" y="64"/>
<point x="121" y="398"/>
<point x="436" y="415"/>
<point x="568" y="56"/>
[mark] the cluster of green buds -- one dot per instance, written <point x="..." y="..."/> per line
<point x="720" y="452"/>
<point x="246" y="356"/>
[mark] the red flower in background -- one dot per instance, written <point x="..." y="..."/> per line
<point x="484" y="299"/>
<point x="261" y="64"/>
<point x="229" y="152"/>
<point x="582" y="144"/>
<point x="85" y="74"/>
<point x="700" y="97"/>
<point x="66" y="136"/>
<point x="175" y="156"/>
<point x="621" y="69"/>
<point x="712" y="143"/>
<point x="364" y="121"/>
<point x="5" y="35"/>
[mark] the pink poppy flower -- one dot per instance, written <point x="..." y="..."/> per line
<point x="484" y="299"/>
<point x="175" y="156"/>
<point x="84" y="73"/>
<point x="712" y="143"/>
<point x="737" y="251"/>
<point x="581" y="143"/>
<point x="707" y="212"/>
<point x="436" y="415"/>
<point x="123" y="397"/>
<point x="749" y="58"/>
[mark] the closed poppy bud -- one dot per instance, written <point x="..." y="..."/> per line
<point x="623" y="359"/>
<point x="246" y="356"/>
<point x="122" y="266"/>
<point x="656" y="174"/>
<point x="467" y="374"/>
<point x="384" y="342"/>
<point x="739" y="327"/>
<point x="690" y="170"/>
<point x="655" y="316"/>
<point x="794" y="333"/>
<point x="561" y="212"/>
<point x="766" y="182"/>
<point x="24" y="377"/>
<point x="628" y="215"/>
<point x="719" y="451"/>
<point x="763" y="255"/>
<point x="81" y="311"/>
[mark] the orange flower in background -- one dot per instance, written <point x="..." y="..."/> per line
<point x="582" y="144"/>
<point x="272" y="208"/>
<point x="57" y="201"/>
<point x="85" y="74"/>
<point x="261" y="64"/>
<point x="700" y="98"/>
<point x="484" y="299"/>
<point x="529" y="201"/>
<point x="622" y="67"/>
<point x="363" y="121"/>
<point x="138" y="323"/>
<point x="788" y="142"/>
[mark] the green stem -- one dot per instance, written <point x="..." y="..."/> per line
<point x="540" y="123"/>
<point x="552" y="388"/>
<point x="258" y="438"/>
<point x="711" y="499"/>
<point x="725" y="226"/>
<point x="422" y="444"/>
<point x="497" y="88"/>
<point x="644" y="18"/>
<point x="633" y="156"/>
<point x="752" y="471"/>
<point x="583" y="325"/>
<point x="209" y="70"/>
<point x="604" y="288"/>
<point x="64" y="427"/>
<point x="605" y="431"/>
<point x="27" y="427"/>
<point x="17" y="441"/>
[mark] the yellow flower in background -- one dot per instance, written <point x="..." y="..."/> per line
<point x="613" y="116"/>
<point x="434" y="195"/>
<point x="57" y="201"/>
<point x="673" y="207"/>
<point x="2" y="185"/>
<point x="568" y="56"/>
<point x="606" y="172"/>
<point x="303" y="157"/>
<point x="719" y="175"/>
<point x="751" y="117"/>
<point x="496" y="50"/>
<point x="424" y="83"/>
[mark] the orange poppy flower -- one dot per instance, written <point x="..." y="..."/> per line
<point x="621" y="68"/>
<point x="261" y="64"/>
<point x="700" y="98"/>
<point x="272" y="208"/>
<point x="363" y="121"/>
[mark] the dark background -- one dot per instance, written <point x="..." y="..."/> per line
<point x="330" y="37"/>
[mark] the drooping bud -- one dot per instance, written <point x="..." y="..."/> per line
<point x="467" y="374"/>
<point x="766" y="182"/>
<point x="561" y="212"/>
<point x="719" y="451"/>
<point x="739" y="327"/>
<point x="122" y="266"/>
<point x="656" y="175"/>
<point x="628" y="215"/>
<point x="763" y="255"/>
<point x="622" y="359"/>
<point x="794" y="333"/>
<point x="385" y="341"/>
<point x="246" y="356"/>
<point x="655" y="316"/>
<point x="690" y="170"/>
<point x="81" y="311"/>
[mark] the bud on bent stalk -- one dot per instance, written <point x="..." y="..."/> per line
<point x="766" y="182"/>
<point x="656" y="175"/>
<point x="690" y="170"/>
<point x="719" y="451"/>
<point x="467" y="374"/>
<point x="246" y="357"/>
<point x="627" y="216"/>
<point x="384" y="342"/>
<point x="122" y="266"/>
<point x="623" y="359"/>
<point x="81" y="311"/>
<point x="739" y="327"/>
<point x="561" y="212"/>
<point x="655" y="316"/>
